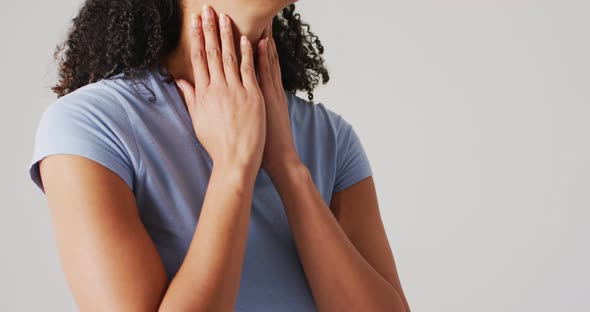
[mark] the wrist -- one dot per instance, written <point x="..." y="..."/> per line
<point x="243" y="165"/>
<point x="288" y="170"/>
<point x="239" y="175"/>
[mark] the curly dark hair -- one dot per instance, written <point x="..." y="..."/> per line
<point x="109" y="37"/>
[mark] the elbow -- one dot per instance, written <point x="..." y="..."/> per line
<point x="395" y="303"/>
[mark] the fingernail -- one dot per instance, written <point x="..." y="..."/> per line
<point x="223" y="19"/>
<point x="206" y="11"/>
<point x="244" y="40"/>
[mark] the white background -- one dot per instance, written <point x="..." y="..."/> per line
<point x="475" y="117"/>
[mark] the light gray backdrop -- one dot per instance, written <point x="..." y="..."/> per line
<point x="475" y="116"/>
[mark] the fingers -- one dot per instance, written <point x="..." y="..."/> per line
<point x="198" y="57"/>
<point x="264" y="68"/>
<point x="272" y="51"/>
<point x="228" y="51"/>
<point x="269" y="69"/>
<point x="267" y="30"/>
<point x="247" y="64"/>
<point x="188" y="91"/>
<point x="265" y="33"/>
<point x="212" y="48"/>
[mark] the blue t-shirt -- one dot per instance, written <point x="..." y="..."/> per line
<point x="153" y="147"/>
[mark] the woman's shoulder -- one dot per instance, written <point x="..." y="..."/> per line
<point x="323" y="136"/>
<point x="106" y="101"/>
<point x="310" y="116"/>
<point x="95" y="105"/>
<point x="91" y="122"/>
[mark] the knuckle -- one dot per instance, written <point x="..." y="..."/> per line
<point x="215" y="88"/>
<point x="197" y="33"/>
<point x="209" y="27"/>
<point x="201" y="98"/>
<point x="247" y="69"/>
<point x="229" y="58"/>
<point x="257" y="96"/>
<point x="213" y="52"/>
<point x="198" y="54"/>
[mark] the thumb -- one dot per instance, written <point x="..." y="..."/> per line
<point x="188" y="92"/>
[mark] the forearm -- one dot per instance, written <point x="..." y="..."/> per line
<point x="209" y="276"/>
<point x="340" y="278"/>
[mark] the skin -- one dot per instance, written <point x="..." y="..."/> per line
<point x="249" y="18"/>
<point x="237" y="105"/>
<point x="345" y="254"/>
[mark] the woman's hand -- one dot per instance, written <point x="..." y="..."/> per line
<point x="279" y="150"/>
<point x="227" y="112"/>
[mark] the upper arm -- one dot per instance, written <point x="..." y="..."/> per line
<point x="354" y="204"/>
<point x="357" y="211"/>
<point x="108" y="258"/>
<point x="85" y="160"/>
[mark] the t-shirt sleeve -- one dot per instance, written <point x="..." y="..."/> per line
<point x="94" y="130"/>
<point x="352" y="163"/>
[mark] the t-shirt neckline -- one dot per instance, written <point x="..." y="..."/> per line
<point x="174" y="99"/>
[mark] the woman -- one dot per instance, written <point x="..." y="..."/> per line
<point x="281" y="187"/>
